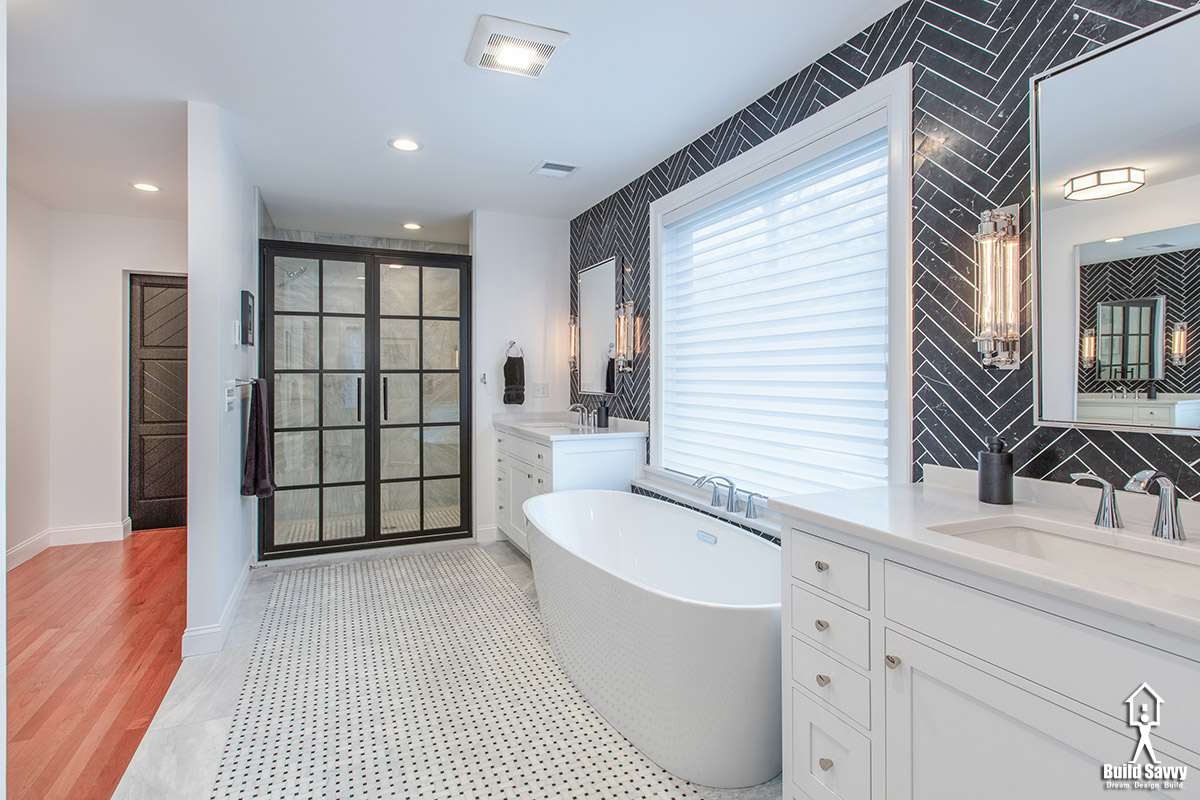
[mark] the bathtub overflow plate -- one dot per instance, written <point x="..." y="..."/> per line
<point x="707" y="538"/>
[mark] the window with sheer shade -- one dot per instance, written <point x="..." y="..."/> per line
<point x="774" y="326"/>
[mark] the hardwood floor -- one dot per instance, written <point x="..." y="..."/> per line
<point x="93" y="643"/>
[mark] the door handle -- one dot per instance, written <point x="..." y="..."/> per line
<point x="385" y="399"/>
<point x="359" y="400"/>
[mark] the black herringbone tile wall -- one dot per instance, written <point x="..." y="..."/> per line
<point x="972" y="63"/>
<point x="1176" y="276"/>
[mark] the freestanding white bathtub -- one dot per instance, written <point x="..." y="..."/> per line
<point x="667" y="621"/>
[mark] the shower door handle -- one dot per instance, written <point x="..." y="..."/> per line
<point x="359" y="401"/>
<point x="385" y="399"/>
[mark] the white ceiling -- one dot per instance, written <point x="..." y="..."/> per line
<point x="315" y="90"/>
<point x="1136" y="106"/>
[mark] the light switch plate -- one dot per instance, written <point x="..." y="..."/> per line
<point x="541" y="390"/>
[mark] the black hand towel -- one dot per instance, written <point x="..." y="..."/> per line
<point x="514" y="381"/>
<point x="258" y="475"/>
<point x="610" y="377"/>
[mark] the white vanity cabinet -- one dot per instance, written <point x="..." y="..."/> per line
<point x="910" y="679"/>
<point x="534" y="458"/>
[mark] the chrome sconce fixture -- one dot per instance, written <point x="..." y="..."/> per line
<point x="1179" y="344"/>
<point x="1104" y="183"/>
<point x="1087" y="349"/>
<point x="998" y="288"/>
<point x="573" y="356"/>
<point x="625" y="337"/>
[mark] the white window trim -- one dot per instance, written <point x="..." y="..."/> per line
<point x="890" y="96"/>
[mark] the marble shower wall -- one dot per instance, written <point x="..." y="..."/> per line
<point x="972" y="61"/>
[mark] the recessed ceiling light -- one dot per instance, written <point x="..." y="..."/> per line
<point x="1115" y="239"/>
<point x="145" y="187"/>
<point x="1104" y="183"/>
<point x="395" y="266"/>
<point x="514" y="47"/>
<point x="412" y="226"/>
<point x="406" y="145"/>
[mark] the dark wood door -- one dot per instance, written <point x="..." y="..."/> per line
<point x="157" y="401"/>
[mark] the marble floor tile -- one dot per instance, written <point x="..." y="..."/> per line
<point x="205" y="688"/>
<point x="178" y="763"/>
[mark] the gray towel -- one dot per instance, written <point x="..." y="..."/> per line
<point x="258" y="474"/>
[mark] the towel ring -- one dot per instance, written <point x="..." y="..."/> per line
<point x="511" y="345"/>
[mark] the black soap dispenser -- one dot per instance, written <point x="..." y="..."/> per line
<point x="602" y="416"/>
<point x="995" y="473"/>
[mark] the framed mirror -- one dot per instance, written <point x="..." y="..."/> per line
<point x="597" y="328"/>
<point x="1116" y="244"/>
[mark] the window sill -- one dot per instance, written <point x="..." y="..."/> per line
<point x="679" y="489"/>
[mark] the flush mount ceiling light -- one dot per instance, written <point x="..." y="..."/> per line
<point x="412" y="226"/>
<point x="404" y="144"/>
<point x="1114" y="240"/>
<point x="505" y="45"/>
<point x="145" y="187"/>
<point x="1104" y="183"/>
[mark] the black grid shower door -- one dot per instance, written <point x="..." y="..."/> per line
<point x="366" y="354"/>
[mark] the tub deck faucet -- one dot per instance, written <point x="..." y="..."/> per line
<point x="731" y="505"/>
<point x="1167" y="524"/>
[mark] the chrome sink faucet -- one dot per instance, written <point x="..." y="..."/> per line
<point x="1107" y="515"/>
<point x="583" y="413"/>
<point x="731" y="505"/>
<point x="1167" y="524"/>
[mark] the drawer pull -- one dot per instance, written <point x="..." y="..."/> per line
<point x="499" y="460"/>
<point x="822" y="625"/>
<point x="539" y="456"/>
<point x="823" y="680"/>
<point x="499" y="479"/>
<point x="826" y="763"/>
<point x="821" y="566"/>
<point x="527" y="475"/>
<point x="539" y="480"/>
<point x="891" y="661"/>
<point x="501" y="508"/>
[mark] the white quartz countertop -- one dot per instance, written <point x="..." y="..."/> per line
<point x="557" y="427"/>
<point x="900" y="517"/>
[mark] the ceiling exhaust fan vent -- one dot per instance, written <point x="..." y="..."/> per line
<point x="514" y="47"/>
<point x="553" y="170"/>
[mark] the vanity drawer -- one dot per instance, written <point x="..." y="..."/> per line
<point x="832" y="627"/>
<point x="842" y="571"/>
<point x="830" y="760"/>
<point x="502" y="480"/>
<point x="836" y="684"/>
<point x="1157" y="414"/>
<point x="1085" y="664"/>
<point x="533" y="453"/>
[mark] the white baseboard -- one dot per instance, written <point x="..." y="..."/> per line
<point x="66" y="535"/>
<point x="86" y="534"/>
<point x="487" y="533"/>
<point x="211" y="638"/>
<point x="19" y="554"/>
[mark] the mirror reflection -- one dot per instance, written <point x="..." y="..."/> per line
<point x="597" y="328"/>
<point x="1117" y="173"/>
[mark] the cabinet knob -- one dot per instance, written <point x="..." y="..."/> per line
<point x="527" y="475"/>
<point x="822" y="625"/>
<point x="539" y="456"/>
<point x="823" y="680"/>
<point x="826" y="763"/>
<point x="499" y="479"/>
<point x="891" y="661"/>
<point x="499" y="460"/>
<point x="539" y="480"/>
<point x="821" y="566"/>
<point x="499" y="441"/>
<point x="501" y="508"/>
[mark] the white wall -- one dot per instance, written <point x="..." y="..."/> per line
<point x="222" y="261"/>
<point x="91" y="257"/>
<point x="28" y="452"/>
<point x="1151" y="208"/>
<point x="520" y="290"/>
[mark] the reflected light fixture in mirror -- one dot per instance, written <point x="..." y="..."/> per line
<point x="573" y="360"/>
<point x="1087" y="349"/>
<point x="624" y="340"/>
<point x="1104" y="183"/>
<point x="1179" y="344"/>
<point x="998" y="288"/>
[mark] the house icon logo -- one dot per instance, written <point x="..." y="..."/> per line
<point x="1145" y="710"/>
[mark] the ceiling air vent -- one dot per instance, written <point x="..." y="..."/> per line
<point x="552" y="170"/>
<point x="515" y="47"/>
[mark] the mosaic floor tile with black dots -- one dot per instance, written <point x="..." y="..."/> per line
<point x="427" y="676"/>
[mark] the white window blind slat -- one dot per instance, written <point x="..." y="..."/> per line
<point x="775" y="329"/>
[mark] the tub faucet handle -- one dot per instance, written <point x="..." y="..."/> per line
<point x="751" y="509"/>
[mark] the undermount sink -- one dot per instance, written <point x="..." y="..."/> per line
<point x="1135" y="557"/>
<point x="553" y="427"/>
